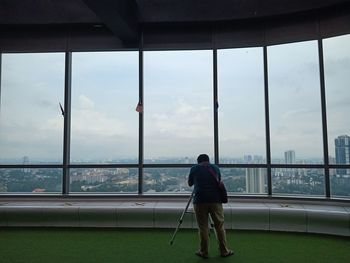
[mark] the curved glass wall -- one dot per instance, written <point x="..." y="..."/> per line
<point x="141" y="135"/>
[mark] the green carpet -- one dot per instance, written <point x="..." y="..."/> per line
<point x="65" y="245"/>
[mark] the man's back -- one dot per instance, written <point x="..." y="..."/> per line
<point x="205" y="185"/>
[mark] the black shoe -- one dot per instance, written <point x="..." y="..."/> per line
<point x="201" y="254"/>
<point x="229" y="253"/>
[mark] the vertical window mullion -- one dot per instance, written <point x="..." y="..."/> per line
<point x="324" y="118"/>
<point x="67" y="122"/>
<point x="267" y="124"/>
<point x="215" y="105"/>
<point x="141" y="135"/>
<point x="0" y="77"/>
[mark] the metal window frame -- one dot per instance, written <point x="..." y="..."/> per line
<point x="324" y="118"/>
<point x="141" y="117"/>
<point x="67" y="122"/>
<point x="267" y="123"/>
<point x="0" y="78"/>
<point x="66" y="165"/>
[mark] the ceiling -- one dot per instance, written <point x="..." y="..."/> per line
<point x="125" y="17"/>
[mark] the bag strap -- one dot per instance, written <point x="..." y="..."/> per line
<point x="213" y="174"/>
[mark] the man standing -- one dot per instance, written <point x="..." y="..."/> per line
<point x="206" y="201"/>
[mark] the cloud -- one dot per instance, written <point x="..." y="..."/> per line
<point x="94" y="133"/>
<point x="87" y="121"/>
<point x="84" y="103"/>
<point x="183" y="120"/>
<point x="183" y="129"/>
<point x="299" y="113"/>
<point x="335" y="66"/>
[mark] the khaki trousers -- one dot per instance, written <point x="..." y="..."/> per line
<point x="216" y="212"/>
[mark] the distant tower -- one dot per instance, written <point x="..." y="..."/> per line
<point x="342" y="152"/>
<point x="289" y="157"/>
<point x="248" y="158"/>
<point x="255" y="180"/>
<point x="25" y="160"/>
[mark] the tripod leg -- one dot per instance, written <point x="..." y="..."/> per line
<point x="181" y="219"/>
<point x="211" y="225"/>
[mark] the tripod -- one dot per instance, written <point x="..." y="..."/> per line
<point x="182" y="216"/>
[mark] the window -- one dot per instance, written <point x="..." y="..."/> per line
<point x="31" y="180"/>
<point x="103" y="180"/>
<point x="166" y="180"/>
<point x="245" y="180"/>
<point x="337" y="78"/>
<point x="340" y="183"/>
<point x="178" y="122"/>
<point x="241" y="106"/>
<point x="292" y="181"/>
<point x="104" y="97"/>
<point x="295" y="104"/>
<point x="178" y="111"/>
<point x="32" y="86"/>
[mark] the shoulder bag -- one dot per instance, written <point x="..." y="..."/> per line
<point x="221" y="186"/>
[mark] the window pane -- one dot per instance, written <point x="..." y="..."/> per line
<point x="245" y="180"/>
<point x="178" y="105"/>
<point x="295" y="105"/>
<point x="104" y="97"/>
<point x="166" y="180"/>
<point x="340" y="183"/>
<point x="337" y="78"/>
<point x="294" y="181"/>
<point x="104" y="180"/>
<point x="31" y="180"/>
<point x="241" y="106"/>
<point x="32" y="86"/>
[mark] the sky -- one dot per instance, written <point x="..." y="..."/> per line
<point x="178" y="110"/>
<point x="178" y="103"/>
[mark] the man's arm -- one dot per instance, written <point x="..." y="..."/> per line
<point x="217" y="170"/>
<point x="190" y="178"/>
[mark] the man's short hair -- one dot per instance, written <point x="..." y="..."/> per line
<point x="202" y="158"/>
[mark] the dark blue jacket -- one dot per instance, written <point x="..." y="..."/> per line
<point x="205" y="186"/>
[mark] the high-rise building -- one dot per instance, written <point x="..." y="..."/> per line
<point x="25" y="161"/>
<point x="255" y="180"/>
<point x="342" y="152"/>
<point x="289" y="157"/>
<point x="248" y="158"/>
